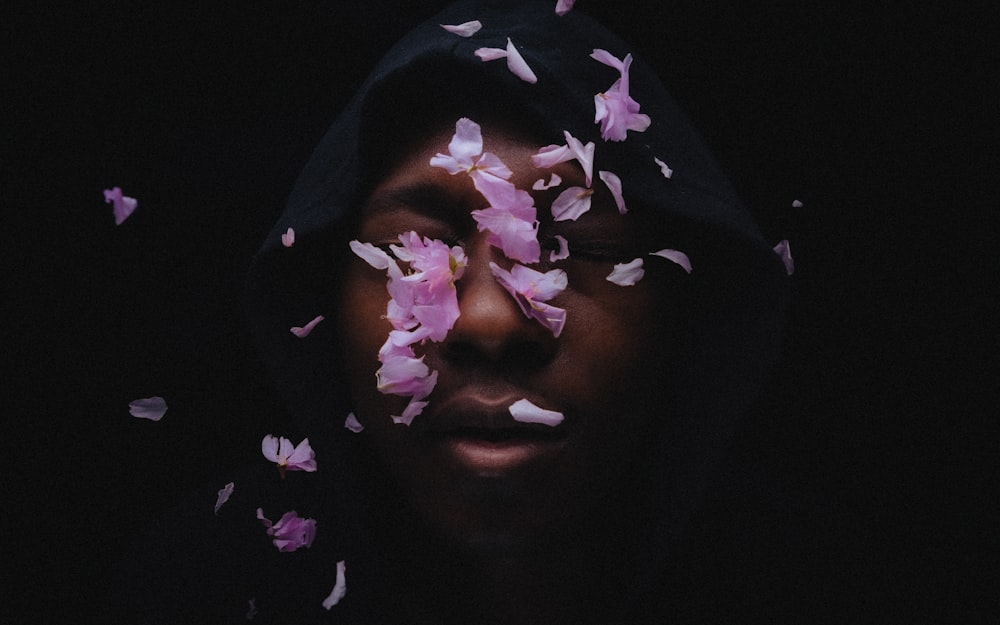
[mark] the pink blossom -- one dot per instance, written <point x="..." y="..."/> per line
<point x="526" y="412"/>
<point x="288" y="458"/>
<point x="627" y="274"/>
<point x="466" y="29"/>
<point x="402" y="373"/>
<point x="288" y="238"/>
<point x="541" y="185"/>
<point x="784" y="251"/>
<point x="352" y="423"/>
<point x="675" y="256"/>
<point x="122" y="205"/>
<point x="667" y="172"/>
<point x="563" y="6"/>
<point x="571" y="203"/>
<point x="614" y="184"/>
<point x="339" y="586"/>
<point x="224" y="493"/>
<point x="530" y="289"/>
<point x="515" y="62"/>
<point x="291" y="531"/>
<point x="616" y="111"/>
<point x="552" y="155"/>
<point x="304" y="331"/>
<point x="563" y="251"/>
<point x="152" y="408"/>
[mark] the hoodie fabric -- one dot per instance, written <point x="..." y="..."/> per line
<point x="722" y="545"/>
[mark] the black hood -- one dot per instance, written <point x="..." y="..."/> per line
<point x="739" y="285"/>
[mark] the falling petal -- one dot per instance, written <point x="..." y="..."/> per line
<point x="413" y="409"/>
<point x="466" y="29"/>
<point x="223" y="497"/>
<point x="614" y="184"/>
<point x="667" y="172"/>
<point x="304" y="331"/>
<point x="122" y="205"/>
<point x="152" y="408"/>
<point x="541" y="185"/>
<point x="352" y="423"/>
<point x="563" y="6"/>
<point x="627" y="274"/>
<point x="563" y="249"/>
<point x="526" y="412"/>
<point x="784" y="251"/>
<point x="571" y="203"/>
<point x="678" y="257"/>
<point x="491" y="54"/>
<point x="288" y="238"/>
<point x="374" y="256"/>
<point x="339" y="587"/>
<point x="517" y="64"/>
<point x="796" y="204"/>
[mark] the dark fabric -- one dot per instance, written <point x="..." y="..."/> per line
<point x="724" y="545"/>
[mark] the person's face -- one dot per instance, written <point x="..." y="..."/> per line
<point x="465" y="464"/>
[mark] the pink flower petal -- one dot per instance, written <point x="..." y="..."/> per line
<point x="224" y="494"/>
<point x="352" y="423"/>
<point x="667" y="172"/>
<point x="517" y="64"/>
<point x="541" y="185"/>
<point x="280" y="451"/>
<point x="288" y="238"/>
<point x="784" y="251"/>
<point x="466" y="29"/>
<point x="675" y="256"/>
<point x="627" y="274"/>
<point x="571" y="203"/>
<point x="796" y="204"/>
<point x="614" y="184"/>
<point x="291" y="532"/>
<point x="563" y="6"/>
<point x="413" y="409"/>
<point x="526" y="412"/>
<point x="339" y="587"/>
<point x="304" y="331"/>
<point x="152" y="408"/>
<point x="122" y="206"/>
<point x="530" y="289"/>
<point x="563" y="249"/>
<point x="491" y="54"/>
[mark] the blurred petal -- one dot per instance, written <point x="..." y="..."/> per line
<point x="224" y="494"/>
<point x="627" y="274"/>
<point x="796" y="204"/>
<point x="352" y="423"/>
<point x="526" y="412"/>
<point x="339" y="587"/>
<point x="614" y="184"/>
<point x="288" y="238"/>
<point x="466" y="29"/>
<point x="563" y="6"/>
<point x="667" y="172"/>
<point x="122" y="205"/>
<point x="304" y="331"/>
<point x="152" y="408"/>
<point x="785" y="252"/>
<point x="678" y="257"/>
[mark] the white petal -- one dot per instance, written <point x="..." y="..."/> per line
<point x="339" y="587"/>
<point x="526" y="412"/>
<point x="627" y="274"/>
<point x="223" y="497"/>
<point x="796" y="204"/>
<point x="288" y="239"/>
<point x="571" y="203"/>
<point x="466" y="29"/>
<point x="374" y="256"/>
<point x="491" y="54"/>
<point x="517" y="64"/>
<point x="603" y="56"/>
<point x="678" y="257"/>
<point x="152" y="408"/>
<point x="614" y="184"/>
<point x="667" y="172"/>
<point x="352" y="423"/>
<point x="412" y="409"/>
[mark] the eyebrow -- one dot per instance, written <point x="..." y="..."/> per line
<point x="427" y="199"/>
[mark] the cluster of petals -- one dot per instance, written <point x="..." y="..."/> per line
<point x="515" y="62"/>
<point x="627" y="274"/>
<point x="121" y="205"/>
<point x="531" y="289"/>
<point x="291" y="531"/>
<point x="289" y="457"/>
<point x="575" y="201"/>
<point x="616" y="111"/>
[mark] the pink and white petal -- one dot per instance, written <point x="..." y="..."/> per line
<point x="412" y="410"/>
<point x="571" y="203"/>
<point x="491" y="164"/>
<point x="552" y="317"/>
<point x="224" y="493"/>
<point x="538" y="286"/>
<point x="517" y="64"/>
<point x="152" y="408"/>
<point x="627" y="274"/>
<point x="302" y="458"/>
<point x="352" y="423"/>
<point x="551" y="155"/>
<point x="304" y="331"/>
<point x="541" y="185"/>
<point x="675" y="256"/>
<point x="465" y="29"/>
<point x="614" y="184"/>
<point x="524" y="411"/>
<point x="269" y="447"/>
<point x="564" y="6"/>
<point x="339" y="587"/>
<point x="467" y="141"/>
<point x="584" y="154"/>
<point x="374" y="256"/>
<point x="491" y="54"/>
<point x="563" y="249"/>
<point x="664" y="168"/>
<point x="785" y="253"/>
<point x="288" y="238"/>
<point x="605" y="57"/>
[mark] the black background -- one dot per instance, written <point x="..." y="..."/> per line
<point x="874" y="118"/>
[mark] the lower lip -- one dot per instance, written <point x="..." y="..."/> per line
<point x="485" y="456"/>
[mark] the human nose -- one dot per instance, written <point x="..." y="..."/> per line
<point x="491" y="326"/>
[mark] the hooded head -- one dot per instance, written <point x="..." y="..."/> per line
<point x="640" y="387"/>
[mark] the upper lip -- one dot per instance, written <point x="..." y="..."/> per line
<point x="481" y="413"/>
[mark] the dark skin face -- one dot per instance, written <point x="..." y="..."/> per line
<point x="466" y="467"/>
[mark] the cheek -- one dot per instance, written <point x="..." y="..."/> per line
<point x="362" y="331"/>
